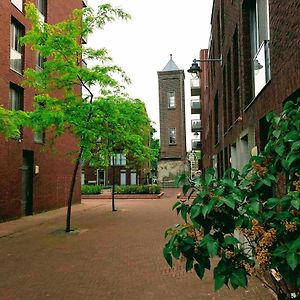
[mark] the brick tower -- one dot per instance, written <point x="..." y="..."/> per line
<point x="172" y="123"/>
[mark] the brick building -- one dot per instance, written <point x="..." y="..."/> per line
<point x="172" y="123"/>
<point x="258" y="41"/>
<point x="31" y="179"/>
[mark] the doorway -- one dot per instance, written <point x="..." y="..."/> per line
<point x="27" y="183"/>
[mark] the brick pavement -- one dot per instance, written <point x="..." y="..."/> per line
<point x="114" y="256"/>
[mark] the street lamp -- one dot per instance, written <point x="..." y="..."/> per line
<point x="195" y="68"/>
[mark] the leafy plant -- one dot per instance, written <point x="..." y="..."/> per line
<point x="246" y="219"/>
<point x="91" y="189"/>
<point x="138" y="189"/>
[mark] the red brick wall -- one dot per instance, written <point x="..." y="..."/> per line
<point x="285" y="71"/>
<point x="172" y="118"/>
<point x="50" y="186"/>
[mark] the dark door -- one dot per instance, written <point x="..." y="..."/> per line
<point x="27" y="183"/>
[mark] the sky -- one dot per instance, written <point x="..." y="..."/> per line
<point x="142" y="45"/>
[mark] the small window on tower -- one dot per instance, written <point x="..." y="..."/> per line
<point x="172" y="136"/>
<point x="171" y="100"/>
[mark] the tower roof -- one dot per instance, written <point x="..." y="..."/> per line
<point x="171" y="66"/>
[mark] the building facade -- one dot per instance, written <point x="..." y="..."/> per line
<point x="172" y="123"/>
<point x="258" y="42"/>
<point x="32" y="179"/>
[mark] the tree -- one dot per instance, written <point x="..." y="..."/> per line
<point x="248" y="220"/>
<point x="59" y="104"/>
<point x="126" y="128"/>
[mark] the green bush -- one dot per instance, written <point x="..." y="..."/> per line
<point x="137" y="189"/>
<point x="91" y="189"/>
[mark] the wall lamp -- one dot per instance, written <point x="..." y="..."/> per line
<point x="195" y="68"/>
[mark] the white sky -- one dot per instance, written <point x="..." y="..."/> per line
<point x="142" y="45"/>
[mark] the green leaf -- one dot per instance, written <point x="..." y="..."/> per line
<point x="189" y="240"/>
<point x="176" y="204"/>
<point x="212" y="248"/>
<point x="184" y="212"/>
<point x="229" y="201"/>
<point x="230" y="240"/>
<point x="269" y="116"/>
<point x="208" y="178"/>
<point x="295" y="245"/>
<point x="180" y="179"/>
<point x="292" y="157"/>
<point x="292" y="136"/>
<point x="295" y="146"/>
<point x="272" y="202"/>
<point x="277" y="133"/>
<point x="168" y="256"/>
<point x="292" y="260"/>
<point x="189" y="264"/>
<point x="255" y="205"/>
<point x="219" y="281"/>
<point x="296" y="203"/>
<point x="185" y="188"/>
<point x="280" y="251"/>
<point x="176" y="252"/>
<point x="238" y="277"/>
<point x="195" y="211"/>
<point x="199" y="270"/>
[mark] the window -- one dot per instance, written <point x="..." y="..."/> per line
<point x="171" y="100"/>
<point x="18" y="4"/>
<point x="260" y="35"/>
<point x="42" y="7"/>
<point x="172" y="136"/>
<point x="16" y="32"/>
<point x="39" y="136"/>
<point x="119" y="159"/>
<point x="16" y="96"/>
<point x="39" y="61"/>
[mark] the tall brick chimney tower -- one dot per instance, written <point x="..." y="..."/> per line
<point x="172" y="123"/>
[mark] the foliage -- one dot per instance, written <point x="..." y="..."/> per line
<point x="91" y="189"/>
<point x="11" y="122"/>
<point x="138" y="189"/>
<point x="245" y="219"/>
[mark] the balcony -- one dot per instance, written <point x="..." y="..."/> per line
<point x="196" y="125"/>
<point x="261" y="67"/>
<point x="195" y="106"/>
<point x="195" y="87"/>
<point x="196" y="144"/>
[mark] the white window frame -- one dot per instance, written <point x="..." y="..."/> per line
<point x="119" y="159"/>
<point x="16" y="57"/>
<point x="18" y="4"/>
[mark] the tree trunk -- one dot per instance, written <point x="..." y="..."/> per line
<point x="71" y="191"/>
<point x="113" y="185"/>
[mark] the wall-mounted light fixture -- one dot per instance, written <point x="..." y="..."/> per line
<point x="195" y="68"/>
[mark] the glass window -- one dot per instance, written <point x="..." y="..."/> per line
<point x="39" y="61"/>
<point x="16" y="94"/>
<point x="39" y="136"/>
<point x="171" y="100"/>
<point x="172" y="136"/>
<point x="16" y="32"/>
<point x="119" y="159"/>
<point x="42" y="7"/>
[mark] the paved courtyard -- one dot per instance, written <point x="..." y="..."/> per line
<point x="115" y="255"/>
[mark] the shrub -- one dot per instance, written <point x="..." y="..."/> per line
<point x="244" y="219"/>
<point x="91" y="189"/>
<point x="137" y="189"/>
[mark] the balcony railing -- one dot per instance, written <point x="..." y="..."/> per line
<point x="195" y="87"/>
<point x="18" y="4"/>
<point x="196" y="125"/>
<point x="195" y="106"/>
<point x="15" y="60"/>
<point x="196" y="144"/>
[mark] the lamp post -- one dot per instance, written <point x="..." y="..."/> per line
<point x="195" y="68"/>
